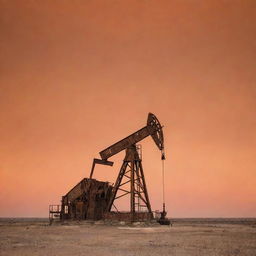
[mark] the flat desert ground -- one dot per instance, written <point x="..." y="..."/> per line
<point x="184" y="237"/>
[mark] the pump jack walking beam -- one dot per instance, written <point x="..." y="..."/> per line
<point x="152" y="128"/>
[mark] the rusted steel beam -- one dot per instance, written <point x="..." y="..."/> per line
<point x="152" y="128"/>
<point x="125" y="143"/>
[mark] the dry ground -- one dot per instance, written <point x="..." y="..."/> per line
<point x="183" y="238"/>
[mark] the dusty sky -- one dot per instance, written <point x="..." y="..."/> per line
<point x="76" y="76"/>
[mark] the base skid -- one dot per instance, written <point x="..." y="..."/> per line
<point x="128" y="216"/>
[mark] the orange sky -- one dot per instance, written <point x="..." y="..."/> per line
<point x="76" y="76"/>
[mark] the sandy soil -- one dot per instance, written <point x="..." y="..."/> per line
<point x="183" y="238"/>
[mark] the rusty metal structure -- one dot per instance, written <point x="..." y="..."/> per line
<point x="93" y="199"/>
<point x="87" y="200"/>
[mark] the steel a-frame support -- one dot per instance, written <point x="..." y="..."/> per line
<point x="132" y="171"/>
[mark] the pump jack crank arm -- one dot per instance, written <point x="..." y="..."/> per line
<point x="99" y="161"/>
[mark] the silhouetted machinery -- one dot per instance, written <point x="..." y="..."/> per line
<point x="92" y="199"/>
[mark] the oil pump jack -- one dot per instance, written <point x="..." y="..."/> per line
<point x="95" y="199"/>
